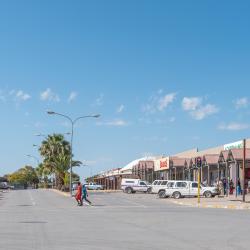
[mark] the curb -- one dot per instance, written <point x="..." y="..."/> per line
<point x="104" y="191"/>
<point x="90" y="191"/>
<point x="60" y="192"/>
<point x="218" y="206"/>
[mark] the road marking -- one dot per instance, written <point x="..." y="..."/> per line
<point x="32" y="199"/>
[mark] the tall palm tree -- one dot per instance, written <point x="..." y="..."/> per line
<point x="56" y="153"/>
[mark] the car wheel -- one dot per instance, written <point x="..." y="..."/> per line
<point x="208" y="194"/>
<point x="177" y="195"/>
<point x="162" y="194"/>
<point x="129" y="190"/>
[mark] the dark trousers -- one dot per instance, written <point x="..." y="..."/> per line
<point x="84" y="197"/>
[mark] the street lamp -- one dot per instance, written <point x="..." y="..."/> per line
<point x="72" y="121"/>
<point x="34" y="157"/>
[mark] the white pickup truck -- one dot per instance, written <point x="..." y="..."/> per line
<point x="158" y="185"/>
<point x="130" y="186"/>
<point x="93" y="186"/>
<point x="178" y="189"/>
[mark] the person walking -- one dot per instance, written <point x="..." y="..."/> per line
<point x="231" y="187"/>
<point x="78" y="195"/>
<point x="85" y="194"/>
<point x="221" y="187"/>
<point x="225" y="185"/>
<point x="239" y="190"/>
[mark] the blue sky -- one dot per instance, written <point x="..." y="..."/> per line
<point x="166" y="76"/>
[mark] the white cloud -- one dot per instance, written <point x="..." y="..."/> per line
<point x="120" y="108"/>
<point x="204" y="111"/>
<point x="242" y="102"/>
<point x="20" y="95"/>
<point x="15" y="96"/>
<point x="158" y="102"/>
<point x="194" y="106"/>
<point x="234" y="126"/>
<point x="48" y="95"/>
<point x="114" y="123"/>
<point x="191" y="103"/>
<point x="72" y="96"/>
<point x="165" y="101"/>
<point x="99" y="100"/>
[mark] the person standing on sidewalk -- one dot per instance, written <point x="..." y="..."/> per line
<point x="239" y="190"/>
<point x="78" y="195"/>
<point x="225" y="185"/>
<point x="221" y="187"/>
<point x="231" y="187"/>
<point x="85" y="194"/>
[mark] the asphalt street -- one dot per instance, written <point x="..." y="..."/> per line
<point x="42" y="219"/>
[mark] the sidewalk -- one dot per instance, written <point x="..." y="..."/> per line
<point x="67" y="194"/>
<point x="230" y="202"/>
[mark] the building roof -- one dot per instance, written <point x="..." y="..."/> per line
<point x="130" y="166"/>
<point x="211" y="159"/>
<point x="224" y="155"/>
<point x="178" y="162"/>
<point x="237" y="154"/>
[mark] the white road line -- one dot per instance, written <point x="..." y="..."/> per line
<point x="32" y="199"/>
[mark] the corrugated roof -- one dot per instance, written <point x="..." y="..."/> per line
<point x="237" y="153"/>
<point x="224" y="154"/>
<point x="178" y="162"/>
<point x="211" y="159"/>
<point x="135" y="162"/>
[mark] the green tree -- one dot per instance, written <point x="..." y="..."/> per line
<point x="25" y="176"/>
<point x="56" y="152"/>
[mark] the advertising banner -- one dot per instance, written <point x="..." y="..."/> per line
<point x="161" y="164"/>
<point x="237" y="144"/>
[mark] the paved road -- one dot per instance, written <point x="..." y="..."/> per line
<point x="40" y="219"/>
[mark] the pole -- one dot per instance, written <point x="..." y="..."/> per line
<point x="199" y="182"/>
<point x="72" y="128"/>
<point x="71" y="152"/>
<point x="236" y="178"/>
<point x="227" y="179"/>
<point x="243" y="170"/>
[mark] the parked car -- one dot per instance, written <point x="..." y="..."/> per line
<point x="94" y="186"/>
<point x="135" y="185"/>
<point x="4" y="185"/>
<point x="178" y="189"/>
<point x="158" y="185"/>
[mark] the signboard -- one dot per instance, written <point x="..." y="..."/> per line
<point x="237" y="144"/>
<point x="161" y="164"/>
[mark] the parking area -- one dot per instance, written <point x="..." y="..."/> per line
<point x="42" y="219"/>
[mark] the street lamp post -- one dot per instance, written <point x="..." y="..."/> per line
<point x="72" y="121"/>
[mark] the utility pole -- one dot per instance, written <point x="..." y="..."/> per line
<point x="243" y="170"/>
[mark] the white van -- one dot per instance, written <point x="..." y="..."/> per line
<point x="135" y="185"/>
<point x="178" y="189"/>
<point x="158" y="185"/>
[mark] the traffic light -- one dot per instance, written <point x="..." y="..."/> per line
<point x="198" y="162"/>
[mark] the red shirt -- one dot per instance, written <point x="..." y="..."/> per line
<point x="79" y="192"/>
